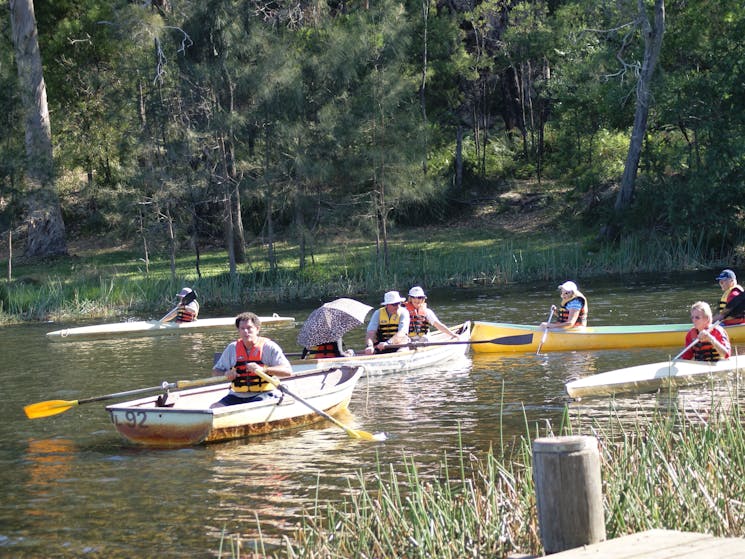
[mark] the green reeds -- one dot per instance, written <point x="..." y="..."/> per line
<point x="112" y="283"/>
<point x="675" y="472"/>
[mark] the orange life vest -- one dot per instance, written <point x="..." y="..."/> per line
<point x="563" y="312"/>
<point x="247" y="381"/>
<point x="185" y="314"/>
<point x="322" y="351"/>
<point x="418" y="325"/>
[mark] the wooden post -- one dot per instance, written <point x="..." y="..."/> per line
<point x="566" y="471"/>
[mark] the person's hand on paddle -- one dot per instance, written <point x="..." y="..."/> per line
<point x="547" y="325"/>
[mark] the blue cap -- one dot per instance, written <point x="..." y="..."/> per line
<point x="726" y="274"/>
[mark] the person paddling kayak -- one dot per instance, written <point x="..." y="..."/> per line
<point x="711" y="340"/>
<point x="187" y="309"/>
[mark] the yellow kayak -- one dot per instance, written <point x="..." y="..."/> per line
<point x="498" y="337"/>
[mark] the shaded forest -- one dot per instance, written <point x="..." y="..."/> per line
<point x="186" y="125"/>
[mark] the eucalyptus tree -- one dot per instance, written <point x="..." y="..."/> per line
<point x="45" y="227"/>
<point x="379" y="132"/>
<point x="696" y="157"/>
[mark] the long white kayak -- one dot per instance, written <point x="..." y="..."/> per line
<point x="154" y="328"/>
<point x="654" y="376"/>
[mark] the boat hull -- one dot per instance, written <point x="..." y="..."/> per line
<point x="186" y="418"/>
<point x="154" y="328"/>
<point x="528" y="337"/>
<point x="403" y="360"/>
<point x="652" y="377"/>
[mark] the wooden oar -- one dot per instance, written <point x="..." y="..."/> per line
<point x="53" y="407"/>
<point x="355" y="433"/>
<point x="735" y="305"/>
<point x="545" y="332"/>
<point x="518" y="339"/>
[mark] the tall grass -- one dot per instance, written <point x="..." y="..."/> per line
<point x="673" y="472"/>
<point x="110" y="283"/>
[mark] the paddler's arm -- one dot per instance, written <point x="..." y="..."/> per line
<point x="722" y="349"/>
<point x="573" y="316"/>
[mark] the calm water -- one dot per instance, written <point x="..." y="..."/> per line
<point x="73" y="488"/>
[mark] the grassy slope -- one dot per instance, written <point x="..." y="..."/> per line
<point x="514" y="236"/>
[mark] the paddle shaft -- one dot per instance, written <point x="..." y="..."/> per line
<point x="53" y="407"/>
<point x="174" y="309"/>
<point x="351" y="432"/>
<point x="545" y="332"/>
<point x="519" y="339"/>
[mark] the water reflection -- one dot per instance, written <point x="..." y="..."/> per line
<point x="72" y="487"/>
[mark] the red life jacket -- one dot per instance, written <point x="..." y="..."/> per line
<point x="247" y="381"/>
<point x="329" y="349"/>
<point x="418" y="325"/>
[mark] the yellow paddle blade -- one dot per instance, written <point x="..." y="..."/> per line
<point x="50" y="407"/>
<point x="364" y="435"/>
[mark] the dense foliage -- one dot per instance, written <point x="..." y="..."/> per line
<point x="218" y="121"/>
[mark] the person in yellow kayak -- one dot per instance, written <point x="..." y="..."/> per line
<point x="242" y="358"/>
<point x="730" y="289"/>
<point x="389" y="325"/>
<point x="421" y="317"/>
<point x="705" y="341"/>
<point x="572" y="312"/>
<point x="187" y="308"/>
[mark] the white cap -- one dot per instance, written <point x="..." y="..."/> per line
<point x="569" y="286"/>
<point x="392" y="297"/>
<point x="416" y="291"/>
<point x="184" y="292"/>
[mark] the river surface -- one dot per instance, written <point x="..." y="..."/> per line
<point x="73" y="488"/>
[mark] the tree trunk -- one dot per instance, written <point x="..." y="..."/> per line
<point x="459" y="158"/>
<point x="46" y="230"/>
<point x="652" y="46"/>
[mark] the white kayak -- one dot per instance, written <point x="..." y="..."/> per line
<point x="155" y="327"/>
<point x="653" y="376"/>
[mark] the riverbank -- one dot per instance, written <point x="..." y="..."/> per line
<point x="515" y="237"/>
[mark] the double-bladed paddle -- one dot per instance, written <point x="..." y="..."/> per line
<point x="735" y="305"/>
<point x="53" y="407"/>
<point x="355" y="433"/>
<point x="518" y="339"/>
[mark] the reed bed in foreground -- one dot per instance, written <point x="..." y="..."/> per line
<point x="116" y="283"/>
<point x="669" y="471"/>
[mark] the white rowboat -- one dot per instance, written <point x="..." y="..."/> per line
<point x="403" y="360"/>
<point x="154" y="328"/>
<point x="185" y="418"/>
<point x="653" y="376"/>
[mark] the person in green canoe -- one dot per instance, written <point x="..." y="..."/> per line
<point x="730" y="289"/>
<point x="705" y="341"/>
<point x="573" y="310"/>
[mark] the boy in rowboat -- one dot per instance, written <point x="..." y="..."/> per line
<point x="573" y="310"/>
<point x="713" y="342"/>
<point x="730" y="289"/>
<point x="243" y="357"/>
<point x="187" y="309"/>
